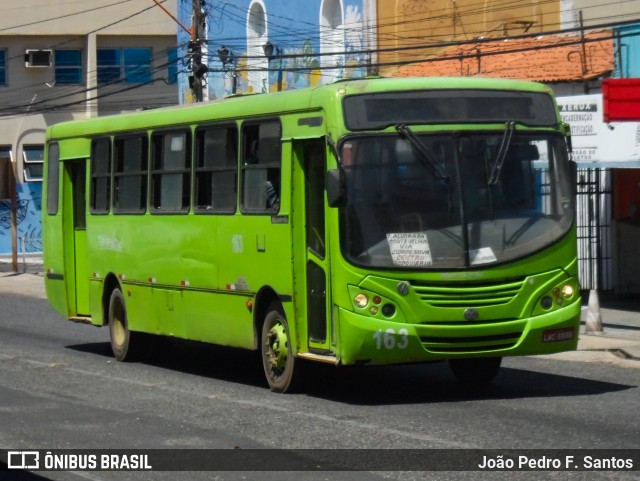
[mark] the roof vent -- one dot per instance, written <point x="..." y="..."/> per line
<point x="37" y="58"/>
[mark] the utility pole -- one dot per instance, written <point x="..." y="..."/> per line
<point x="197" y="39"/>
<point x="198" y="69"/>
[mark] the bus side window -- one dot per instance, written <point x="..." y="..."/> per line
<point x="100" y="194"/>
<point x="216" y="169"/>
<point x="130" y="173"/>
<point x="261" y="167"/>
<point x="170" y="178"/>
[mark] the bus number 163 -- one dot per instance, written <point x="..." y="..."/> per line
<point x="389" y="340"/>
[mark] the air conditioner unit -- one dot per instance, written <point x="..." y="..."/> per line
<point x="38" y="58"/>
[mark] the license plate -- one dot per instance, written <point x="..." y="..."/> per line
<point x="557" y="335"/>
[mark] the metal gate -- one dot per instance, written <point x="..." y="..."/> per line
<point x="594" y="210"/>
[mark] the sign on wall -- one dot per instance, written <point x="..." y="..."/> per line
<point x="593" y="139"/>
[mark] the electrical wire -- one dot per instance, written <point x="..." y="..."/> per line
<point x="21" y="108"/>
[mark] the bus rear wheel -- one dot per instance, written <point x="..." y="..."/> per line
<point x="475" y="372"/>
<point x="124" y="343"/>
<point x="277" y="357"/>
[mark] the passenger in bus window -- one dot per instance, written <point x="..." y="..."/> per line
<point x="273" y="199"/>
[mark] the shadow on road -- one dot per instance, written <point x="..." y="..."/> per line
<point x="363" y="385"/>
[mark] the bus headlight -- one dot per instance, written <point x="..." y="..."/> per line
<point x="567" y="291"/>
<point x="361" y="300"/>
<point x="557" y="297"/>
<point x="374" y="305"/>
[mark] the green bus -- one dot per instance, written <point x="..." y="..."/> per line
<point x="371" y="221"/>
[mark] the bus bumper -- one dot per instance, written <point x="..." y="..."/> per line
<point x="366" y="340"/>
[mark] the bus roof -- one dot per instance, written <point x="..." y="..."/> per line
<point x="251" y="105"/>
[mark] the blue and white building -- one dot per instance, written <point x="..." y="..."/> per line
<point x="255" y="46"/>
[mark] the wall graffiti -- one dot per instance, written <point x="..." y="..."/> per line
<point x="28" y="216"/>
<point x="320" y="43"/>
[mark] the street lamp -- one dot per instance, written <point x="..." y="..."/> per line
<point x="225" y="55"/>
<point x="228" y="64"/>
<point x="269" y="50"/>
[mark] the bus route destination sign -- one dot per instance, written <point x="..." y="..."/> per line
<point x="410" y="249"/>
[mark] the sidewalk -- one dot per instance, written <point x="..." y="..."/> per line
<point x="618" y="342"/>
<point x="620" y="335"/>
<point x="27" y="263"/>
<point x="28" y="280"/>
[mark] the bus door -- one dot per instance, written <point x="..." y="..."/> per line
<point x="75" y="244"/>
<point x="316" y="262"/>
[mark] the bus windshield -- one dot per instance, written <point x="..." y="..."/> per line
<point x="480" y="200"/>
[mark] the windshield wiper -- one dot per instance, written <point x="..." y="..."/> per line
<point x="423" y="153"/>
<point x="502" y="153"/>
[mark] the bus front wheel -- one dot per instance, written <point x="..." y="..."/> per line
<point x="277" y="357"/>
<point x="476" y="371"/>
<point x="123" y="341"/>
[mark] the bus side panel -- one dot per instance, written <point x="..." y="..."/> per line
<point x="217" y="318"/>
<point x="143" y="305"/>
<point x="189" y="314"/>
<point x="254" y="253"/>
<point x="96" y="287"/>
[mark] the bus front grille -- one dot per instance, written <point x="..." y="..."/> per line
<point x="493" y="342"/>
<point x="477" y="294"/>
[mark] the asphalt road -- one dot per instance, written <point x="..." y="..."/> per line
<point x="60" y="388"/>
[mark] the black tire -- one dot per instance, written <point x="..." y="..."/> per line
<point x="125" y="344"/>
<point x="477" y="371"/>
<point x="277" y="357"/>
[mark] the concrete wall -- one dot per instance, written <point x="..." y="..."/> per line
<point x="411" y="23"/>
<point x="597" y="12"/>
<point x="73" y="17"/>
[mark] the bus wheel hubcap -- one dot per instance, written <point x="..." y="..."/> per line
<point x="277" y="342"/>
<point x="118" y="332"/>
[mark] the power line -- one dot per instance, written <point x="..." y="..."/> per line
<point x="568" y="41"/>
<point x="17" y="108"/>
<point x="51" y="19"/>
<point x="471" y="10"/>
<point x="403" y="50"/>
